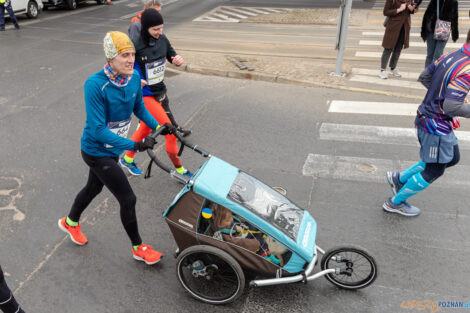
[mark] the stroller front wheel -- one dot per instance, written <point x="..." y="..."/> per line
<point x="355" y="268"/>
<point x="210" y="274"/>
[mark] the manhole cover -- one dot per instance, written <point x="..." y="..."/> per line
<point x="281" y="190"/>
<point x="366" y="168"/>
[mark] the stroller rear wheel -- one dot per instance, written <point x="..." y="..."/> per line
<point x="210" y="274"/>
<point x="355" y="268"/>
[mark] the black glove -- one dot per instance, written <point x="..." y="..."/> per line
<point x="169" y="129"/>
<point x="147" y="143"/>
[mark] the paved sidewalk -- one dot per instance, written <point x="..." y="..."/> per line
<point x="280" y="47"/>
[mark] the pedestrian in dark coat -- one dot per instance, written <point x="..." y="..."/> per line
<point x="448" y="11"/>
<point x="397" y="33"/>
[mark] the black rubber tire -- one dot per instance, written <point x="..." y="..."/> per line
<point x="71" y="4"/>
<point x="334" y="278"/>
<point x="32" y="10"/>
<point x="222" y="255"/>
<point x="100" y="2"/>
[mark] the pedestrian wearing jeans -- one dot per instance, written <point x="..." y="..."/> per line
<point x="111" y="96"/>
<point x="6" y="5"/>
<point x="448" y="83"/>
<point x="448" y="11"/>
<point x="8" y="302"/>
<point x="397" y="34"/>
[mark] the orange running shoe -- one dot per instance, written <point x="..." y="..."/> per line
<point x="147" y="254"/>
<point x="74" y="231"/>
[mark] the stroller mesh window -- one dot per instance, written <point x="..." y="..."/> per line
<point x="266" y="203"/>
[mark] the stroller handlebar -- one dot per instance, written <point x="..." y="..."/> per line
<point x="172" y="172"/>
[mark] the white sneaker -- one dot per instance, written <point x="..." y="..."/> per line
<point x="383" y="75"/>
<point x="395" y="73"/>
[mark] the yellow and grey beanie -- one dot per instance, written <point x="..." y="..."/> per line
<point x="116" y="42"/>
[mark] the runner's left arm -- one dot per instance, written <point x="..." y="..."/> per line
<point x="456" y="92"/>
<point x="170" y="51"/>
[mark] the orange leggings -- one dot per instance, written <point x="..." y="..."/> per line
<point x="142" y="131"/>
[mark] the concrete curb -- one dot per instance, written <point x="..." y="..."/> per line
<point x="284" y="80"/>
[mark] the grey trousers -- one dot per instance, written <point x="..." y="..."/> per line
<point x="395" y="52"/>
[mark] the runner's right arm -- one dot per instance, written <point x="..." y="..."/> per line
<point x="142" y="113"/>
<point x="425" y="77"/>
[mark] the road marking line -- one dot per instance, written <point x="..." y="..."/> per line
<point x="125" y="17"/>
<point x="382" y="33"/>
<point x="372" y="170"/>
<point x="380" y="12"/>
<point x="380" y="134"/>
<point x="239" y="10"/>
<point x="386" y="82"/>
<point x="378" y="43"/>
<point x="380" y="108"/>
<point x="381" y="21"/>
<point x="375" y="72"/>
<point x="227" y="11"/>
<point x="258" y="10"/>
<point x="224" y="17"/>
<point x="378" y="55"/>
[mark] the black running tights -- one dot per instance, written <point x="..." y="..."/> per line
<point x="8" y="303"/>
<point x="433" y="171"/>
<point x="105" y="171"/>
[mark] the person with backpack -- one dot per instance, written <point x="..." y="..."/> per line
<point x="448" y="11"/>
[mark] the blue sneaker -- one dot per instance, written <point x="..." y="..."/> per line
<point x="188" y="174"/>
<point x="131" y="167"/>
<point x="393" y="179"/>
<point x="403" y="208"/>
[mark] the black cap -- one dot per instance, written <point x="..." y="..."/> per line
<point x="150" y="18"/>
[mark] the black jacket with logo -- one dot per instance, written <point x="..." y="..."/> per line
<point x="147" y="53"/>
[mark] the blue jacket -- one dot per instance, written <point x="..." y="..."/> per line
<point x="108" y="114"/>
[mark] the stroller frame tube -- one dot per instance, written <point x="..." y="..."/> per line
<point x="304" y="277"/>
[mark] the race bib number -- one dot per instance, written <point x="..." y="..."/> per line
<point x="120" y="128"/>
<point x="155" y="71"/>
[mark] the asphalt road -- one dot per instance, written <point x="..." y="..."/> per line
<point x="266" y="129"/>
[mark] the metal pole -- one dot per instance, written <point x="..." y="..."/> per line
<point x="346" y="10"/>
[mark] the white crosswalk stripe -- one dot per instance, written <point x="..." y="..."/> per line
<point x="379" y="134"/>
<point x="372" y="170"/>
<point x="401" y="83"/>
<point x="366" y="169"/>
<point x="233" y="14"/>
<point x="420" y="44"/>
<point x="463" y="4"/>
<point x="371" y="107"/>
<point x="370" y="49"/>
<point x="373" y="72"/>
<point x="403" y="56"/>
